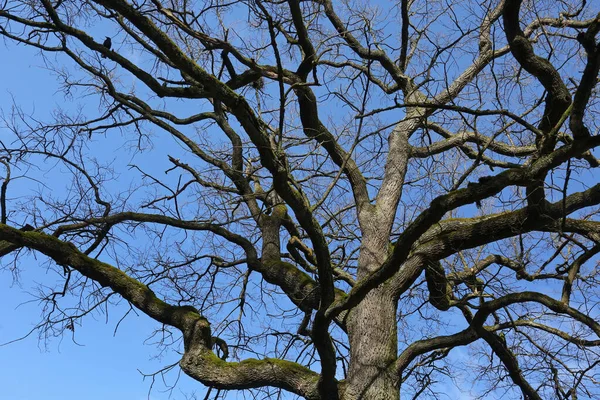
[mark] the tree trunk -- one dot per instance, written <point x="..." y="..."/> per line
<point x="372" y="331"/>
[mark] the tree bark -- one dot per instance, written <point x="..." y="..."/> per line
<point x="372" y="328"/>
<point x="373" y="338"/>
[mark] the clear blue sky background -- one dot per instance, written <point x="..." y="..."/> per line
<point x="103" y="365"/>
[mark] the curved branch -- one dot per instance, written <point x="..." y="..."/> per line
<point x="558" y="98"/>
<point x="589" y="79"/>
<point x="523" y="297"/>
<point x="198" y="360"/>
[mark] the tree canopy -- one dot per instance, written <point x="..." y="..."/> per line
<point x="334" y="200"/>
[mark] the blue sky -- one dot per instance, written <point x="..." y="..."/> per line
<point x="102" y="364"/>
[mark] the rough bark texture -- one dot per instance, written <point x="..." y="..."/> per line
<point x="372" y="328"/>
<point x="372" y="333"/>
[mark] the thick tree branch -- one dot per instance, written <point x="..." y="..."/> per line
<point x="558" y="97"/>
<point x="198" y="361"/>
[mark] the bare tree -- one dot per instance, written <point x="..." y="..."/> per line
<point x="349" y="192"/>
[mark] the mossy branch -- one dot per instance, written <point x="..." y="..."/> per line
<point x="198" y="361"/>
